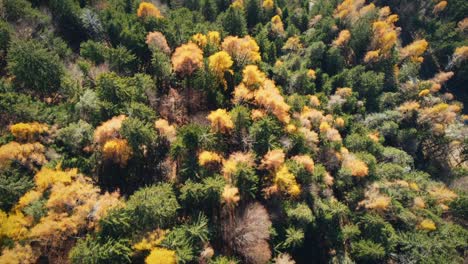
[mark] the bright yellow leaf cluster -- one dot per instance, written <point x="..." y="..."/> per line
<point x="439" y="116"/>
<point x="214" y="38"/>
<point x="47" y="177"/>
<point x="252" y="77"/>
<point x="161" y="256"/>
<point x="18" y="254"/>
<point x="28" y="154"/>
<point x="200" y="39"/>
<point x="374" y="200"/>
<point x="151" y="241"/>
<point x="70" y="207"/>
<point x="28" y="131"/>
<point x="219" y="63"/>
<point x="221" y="121"/>
<point x="268" y="4"/>
<point x="314" y="99"/>
<point x="461" y="53"/>
<point x="118" y="151"/>
<point x="342" y="39"/>
<point x="13" y="225"/>
<point x="277" y="25"/>
<point x="187" y="59"/>
<point x="146" y="9"/>
<point x="427" y="224"/>
<point x="238" y="4"/>
<point x="208" y="157"/>
<point x="286" y="182"/>
<point x="352" y="10"/>
<point x="372" y="56"/>
<point x="414" y="50"/>
<point x="442" y="194"/>
<point x="378" y="203"/>
<point x="384" y="35"/>
<point x="243" y="50"/>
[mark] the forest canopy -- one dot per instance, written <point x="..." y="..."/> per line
<point x="233" y="131"/>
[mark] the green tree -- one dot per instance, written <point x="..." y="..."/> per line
<point x="26" y="57"/>
<point x="253" y="13"/>
<point x="233" y="22"/>
<point x="209" y="9"/>
<point x="154" y="206"/>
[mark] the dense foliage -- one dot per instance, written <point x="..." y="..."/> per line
<point x="243" y="131"/>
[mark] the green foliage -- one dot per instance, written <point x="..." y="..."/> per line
<point x="154" y="206"/>
<point x="190" y="139"/>
<point x="234" y="22"/>
<point x="139" y="134"/>
<point x="73" y="64"/>
<point x="117" y="223"/>
<point x="300" y="214"/>
<point x="202" y="194"/>
<point x="367" y="251"/>
<point x="116" y="92"/>
<point x="25" y="57"/>
<point x="90" y="250"/>
<point x="75" y="136"/>
<point x="265" y="135"/>
<point x="36" y="209"/>
<point x="13" y="184"/>
<point x="294" y="238"/>
<point x="93" y="51"/>
<point x="438" y="247"/>
<point x="187" y="239"/>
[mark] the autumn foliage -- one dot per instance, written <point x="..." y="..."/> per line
<point x="243" y="50"/>
<point x="220" y="121"/>
<point x="146" y="9"/>
<point x="187" y="58"/>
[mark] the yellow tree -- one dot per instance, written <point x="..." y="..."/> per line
<point x="243" y="50"/>
<point x="277" y="25"/>
<point x="269" y="97"/>
<point x="146" y="9"/>
<point x="414" y="50"/>
<point x="268" y="4"/>
<point x="293" y="44"/>
<point x="252" y="77"/>
<point x="342" y="39"/>
<point x="28" y="155"/>
<point x="28" y="131"/>
<point x="209" y="157"/>
<point x="219" y="63"/>
<point x="161" y="256"/>
<point x="118" y="151"/>
<point x="286" y="182"/>
<point x="200" y="39"/>
<point x="221" y="121"/>
<point x="187" y="59"/>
